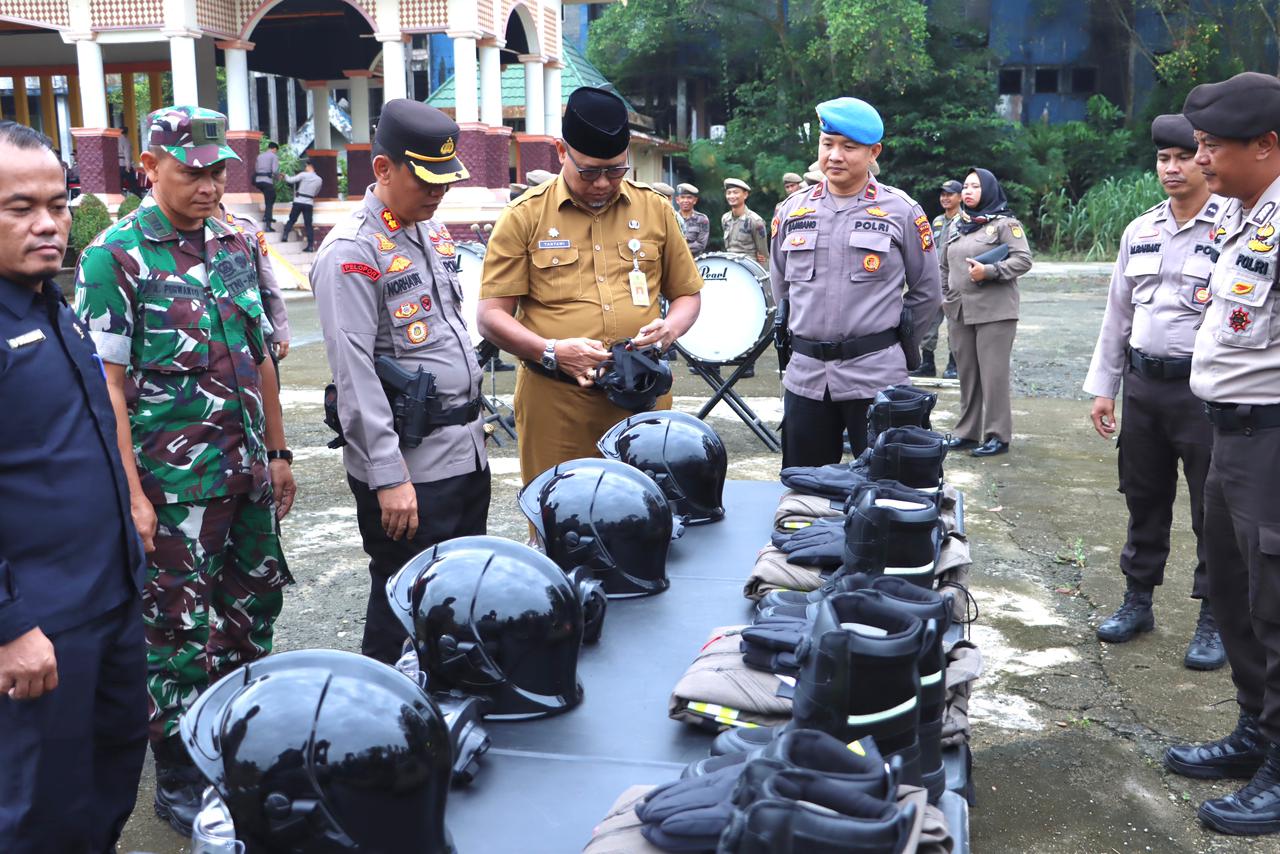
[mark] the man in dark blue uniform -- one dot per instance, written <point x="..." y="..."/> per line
<point x="73" y="703"/>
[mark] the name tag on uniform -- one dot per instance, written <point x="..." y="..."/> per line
<point x="553" y="244"/>
<point x="35" y="336"/>
<point x="639" y="288"/>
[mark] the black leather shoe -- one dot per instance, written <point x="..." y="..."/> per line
<point x="269" y="228"/>
<point x="990" y="448"/>
<point x="949" y="372"/>
<point x="1205" y="651"/>
<point x="956" y="443"/>
<point x="1252" y="811"/>
<point x="178" y="786"/>
<point x="1133" y="616"/>
<point x="1237" y="756"/>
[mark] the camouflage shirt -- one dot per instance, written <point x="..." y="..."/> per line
<point x="745" y="235"/>
<point x="184" y="314"/>
<point x="697" y="230"/>
<point x="276" y="320"/>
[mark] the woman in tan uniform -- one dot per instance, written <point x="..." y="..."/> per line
<point x="981" y="303"/>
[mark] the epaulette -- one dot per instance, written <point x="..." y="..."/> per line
<point x="900" y="194"/>
<point x="349" y="228"/>
<point x="531" y="193"/>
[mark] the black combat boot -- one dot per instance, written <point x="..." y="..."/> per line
<point x="1132" y="617"/>
<point x="892" y="530"/>
<point x="928" y="368"/>
<point x="899" y="406"/>
<point x="859" y="676"/>
<point x="1238" y="756"/>
<point x="1205" y="651"/>
<point x="178" y="785"/>
<point x="1255" y="809"/>
<point x="910" y="455"/>
<point x="949" y="373"/>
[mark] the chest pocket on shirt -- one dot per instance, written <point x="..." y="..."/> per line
<point x="648" y="256"/>
<point x="1246" y="310"/>
<point x="416" y="323"/>
<point x="1144" y="271"/>
<point x="869" y="253"/>
<point x="556" y="276"/>
<point x="1194" y="293"/>
<point x="175" y="326"/>
<point x="798" y="259"/>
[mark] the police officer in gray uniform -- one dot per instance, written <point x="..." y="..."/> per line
<point x="841" y="253"/>
<point x="386" y="286"/>
<point x="307" y="184"/>
<point x="1159" y="289"/>
<point x="1235" y="369"/>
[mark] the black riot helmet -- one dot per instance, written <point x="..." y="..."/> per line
<point x="319" y="751"/>
<point x="496" y="620"/>
<point x="682" y="454"/>
<point x="604" y="515"/>
<point x="634" y="378"/>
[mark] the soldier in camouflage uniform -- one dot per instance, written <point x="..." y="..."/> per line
<point x="171" y="296"/>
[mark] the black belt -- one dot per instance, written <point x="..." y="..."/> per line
<point x="1156" y="368"/>
<point x="849" y="348"/>
<point x="262" y="174"/>
<point x="302" y="196"/>
<point x="537" y="368"/>
<point x="1242" y="417"/>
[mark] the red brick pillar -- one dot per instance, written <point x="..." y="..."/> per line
<point x="484" y="151"/>
<point x="325" y="162"/>
<point x="537" y="152"/>
<point x="240" y="173"/>
<point x="98" y="159"/>
<point x="359" y="169"/>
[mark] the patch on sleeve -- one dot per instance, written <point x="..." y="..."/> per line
<point x="1016" y="231"/>
<point x="773" y="227"/>
<point x="365" y="270"/>
<point x="262" y="243"/>
<point x="925" y="232"/>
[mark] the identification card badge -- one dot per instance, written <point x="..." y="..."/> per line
<point x="636" y="279"/>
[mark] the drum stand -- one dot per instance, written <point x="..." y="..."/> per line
<point x="492" y="405"/>
<point x="722" y="389"/>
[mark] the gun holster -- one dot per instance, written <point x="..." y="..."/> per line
<point x="907" y="339"/>
<point x="331" y="416"/>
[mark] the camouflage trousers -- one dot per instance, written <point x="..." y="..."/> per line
<point x="214" y="590"/>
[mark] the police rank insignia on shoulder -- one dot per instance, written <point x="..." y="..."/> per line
<point x="1262" y="238"/>
<point x="384" y="243"/>
<point x="398" y="265"/>
<point x="390" y="221"/>
<point x="877" y="211"/>
<point x="417" y="332"/>
<point x="799" y="212"/>
<point x="363" y="269"/>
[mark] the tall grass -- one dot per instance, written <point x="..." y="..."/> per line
<point x="1091" y="227"/>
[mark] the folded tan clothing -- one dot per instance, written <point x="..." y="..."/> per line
<point x="796" y="509"/>
<point x="929" y="834"/>
<point x="773" y="571"/>
<point x="619" y="832"/>
<point x="719" y="691"/>
<point x="947" y="507"/>
<point x="964" y="666"/>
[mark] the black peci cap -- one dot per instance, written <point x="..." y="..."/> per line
<point x="1173" y="131"/>
<point x="595" y="123"/>
<point x="1243" y="107"/>
<point x="423" y="137"/>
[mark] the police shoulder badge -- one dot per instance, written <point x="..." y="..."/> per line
<point x="390" y="221"/>
<point x="398" y="265"/>
<point x="417" y="332"/>
<point x="363" y="269"/>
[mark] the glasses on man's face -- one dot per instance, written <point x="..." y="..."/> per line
<point x="613" y="173"/>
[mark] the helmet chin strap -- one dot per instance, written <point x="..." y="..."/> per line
<point x="304" y="821"/>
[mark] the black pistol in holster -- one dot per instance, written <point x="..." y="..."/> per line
<point x="331" y="416"/>
<point x="412" y="397"/>
<point x="907" y="338"/>
<point x="781" y="334"/>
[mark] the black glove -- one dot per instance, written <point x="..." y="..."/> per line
<point x="772" y="646"/>
<point x="690" y="814"/>
<point x="833" y="481"/>
<point x="817" y="545"/>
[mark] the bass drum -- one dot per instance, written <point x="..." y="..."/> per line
<point x="470" y="259"/>
<point x="737" y="310"/>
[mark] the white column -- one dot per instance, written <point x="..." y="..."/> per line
<point x="682" y="108"/>
<point x="393" y="66"/>
<point x="490" y="83"/>
<point x="93" y="86"/>
<point x="236" y="59"/>
<point x="273" y="109"/>
<point x="182" y="59"/>
<point x="291" y="106"/>
<point x="466" y="106"/>
<point x="551" y="94"/>
<point x="320" y="114"/>
<point x="358" y="83"/>
<point x="534" y="110"/>
<point x="253" y="101"/>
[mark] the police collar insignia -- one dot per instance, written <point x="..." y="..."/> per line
<point x="872" y="190"/>
<point x="389" y="220"/>
<point x="1211" y="210"/>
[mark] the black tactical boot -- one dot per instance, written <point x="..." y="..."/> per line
<point x="1253" y="810"/>
<point x="927" y="366"/>
<point x="899" y="406"/>
<point x="910" y="455"/>
<point x="1133" y="616"/>
<point x="859" y="677"/>
<point x="892" y="530"/>
<point x="1237" y="756"/>
<point x="178" y="785"/>
<point x="949" y="373"/>
<point x="1205" y="651"/>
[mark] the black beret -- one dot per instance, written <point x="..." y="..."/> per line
<point x="1172" y="130"/>
<point x="424" y="138"/>
<point x="1243" y="107"/>
<point x="595" y="123"/>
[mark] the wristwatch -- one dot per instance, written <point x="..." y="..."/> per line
<point x="286" y="455"/>
<point x="549" y="356"/>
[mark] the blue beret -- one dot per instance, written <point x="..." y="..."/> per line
<point x="853" y="118"/>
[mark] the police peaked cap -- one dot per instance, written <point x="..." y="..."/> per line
<point x="595" y="123"/>
<point x="1243" y="107"/>
<point x="853" y="118"/>
<point x="1173" y="131"/>
<point x="422" y="137"/>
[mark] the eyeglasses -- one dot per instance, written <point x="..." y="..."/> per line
<point x="613" y="173"/>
